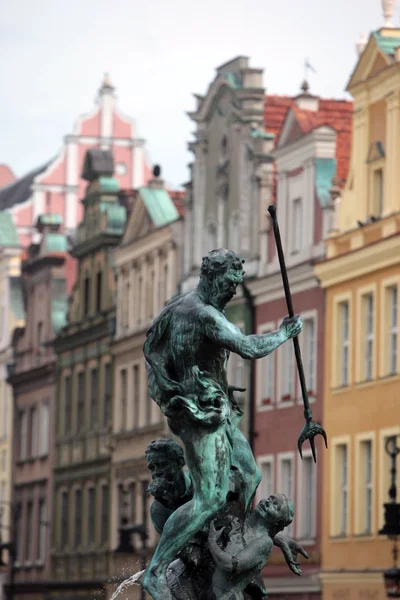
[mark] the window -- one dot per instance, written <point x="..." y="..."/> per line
<point x="377" y="207"/>
<point x="139" y="296"/>
<point x="132" y="501"/>
<point x="287" y="375"/>
<point x="105" y="511"/>
<point x="67" y="404"/>
<point x="286" y="482"/>
<point x="44" y="429"/>
<point x="33" y="432"/>
<point x="150" y="295"/>
<point x="123" y="399"/>
<point x="344" y="343"/>
<point x="107" y="407"/>
<point x="64" y="521"/>
<point x="91" y="516"/>
<point x="41" y="540"/>
<point x="165" y="296"/>
<point x="4" y="402"/>
<point x="366" y="487"/>
<point x="267" y="474"/>
<point x="393" y="320"/>
<point x="94" y="409"/>
<point x="80" y="424"/>
<point x="23" y="440"/>
<point x="125" y="304"/>
<point x="78" y="519"/>
<point x="99" y="284"/>
<point x="121" y="504"/>
<point x="86" y="296"/>
<point x="136" y="395"/>
<point x="368" y="306"/>
<point x="121" y="168"/>
<point x="307" y="500"/>
<point x="342" y="459"/>
<point x="39" y="335"/>
<point x="266" y="376"/>
<point x="145" y="501"/>
<point x="17" y="532"/>
<point x="297" y="226"/>
<point x="3" y="460"/>
<point x="309" y="355"/>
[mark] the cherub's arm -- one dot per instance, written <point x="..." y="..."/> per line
<point x="221" y="331"/>
<point x="290" y="549"/>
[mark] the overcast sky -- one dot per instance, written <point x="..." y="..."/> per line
<point x="159" y="52"/>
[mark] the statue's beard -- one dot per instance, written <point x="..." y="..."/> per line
<point x="220" y="292"/>
<point x="161" y="488"/>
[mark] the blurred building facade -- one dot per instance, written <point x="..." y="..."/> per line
<point x="148" y="270"/>
<point x="32" y="377"/>
<point x="311" y="153"/>
<point x="57" y="186"/>
<point x="11" y="316"/>
<point x="361" y="277"/>
<point x="229" y="189"/>
<point x="82" y="462"/>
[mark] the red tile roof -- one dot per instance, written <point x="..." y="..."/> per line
<point x="275" y="110"/>
<point x="6" y="175"/>
<point x="177" y="198"/>
<point x="338" y="115"/>
<point x="335" y="113"/>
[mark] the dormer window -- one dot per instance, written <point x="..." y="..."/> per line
<point x="86" y="295"/>
<point x="297" y="225"/>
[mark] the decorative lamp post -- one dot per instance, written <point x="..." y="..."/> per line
<point x="391" y="526"/>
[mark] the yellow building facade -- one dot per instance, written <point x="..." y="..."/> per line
<point x="361" y="279"/>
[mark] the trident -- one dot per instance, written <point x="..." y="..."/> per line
<point x="310" y="429"/>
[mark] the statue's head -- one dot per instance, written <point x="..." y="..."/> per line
<point x="165" y="461"/>
<point x="277" y="511"/>
<point x="221" y="272"/>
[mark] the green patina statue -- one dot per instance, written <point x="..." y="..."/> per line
<point x="197" y="569"/>
<point x="249" y="547"/>
<point x="186" y="352"/>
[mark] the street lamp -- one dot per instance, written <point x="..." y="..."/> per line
<point x="391" y="526"/>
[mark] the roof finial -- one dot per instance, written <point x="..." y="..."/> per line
<point x="388" y="10"/>
<point x="360" y="45"/>
<point x="305" y="86"/>
<point x="106" y="86"/>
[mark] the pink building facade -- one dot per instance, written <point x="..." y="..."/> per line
<point x="57" y="187"/>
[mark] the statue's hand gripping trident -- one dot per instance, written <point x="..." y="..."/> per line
<point x="310" y="429"/>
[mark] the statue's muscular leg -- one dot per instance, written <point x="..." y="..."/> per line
<point x="208" y="456"/>
<point x="243" y="460"/>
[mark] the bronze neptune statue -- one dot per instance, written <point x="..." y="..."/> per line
<point x="186" y="352"/>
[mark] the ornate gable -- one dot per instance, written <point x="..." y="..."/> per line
<point x="377" y="55"/>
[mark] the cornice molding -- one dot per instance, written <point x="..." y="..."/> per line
<point x="357" y="263"/>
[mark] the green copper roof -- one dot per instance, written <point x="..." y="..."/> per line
<point x="116" y="217"/>
<point x="50" y="219"/>
<point x="108" y="184"/>
<point x="17" y="303"/>
<point x="159" y="206"/>
<point x="55" y="242"/>
<point x="234" y="80"/>
<point x="388" y="44"/>
<point x="59" y="304"/>
<point x="325" y="169"/>
<point x="260" y="133"/>
<point x="8" y="231"/>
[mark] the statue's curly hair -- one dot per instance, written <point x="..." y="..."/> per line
<point x="168" y="448"/>
<point x="218" y="261"/>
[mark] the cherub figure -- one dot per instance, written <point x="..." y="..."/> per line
<point x="249" y="547"/>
